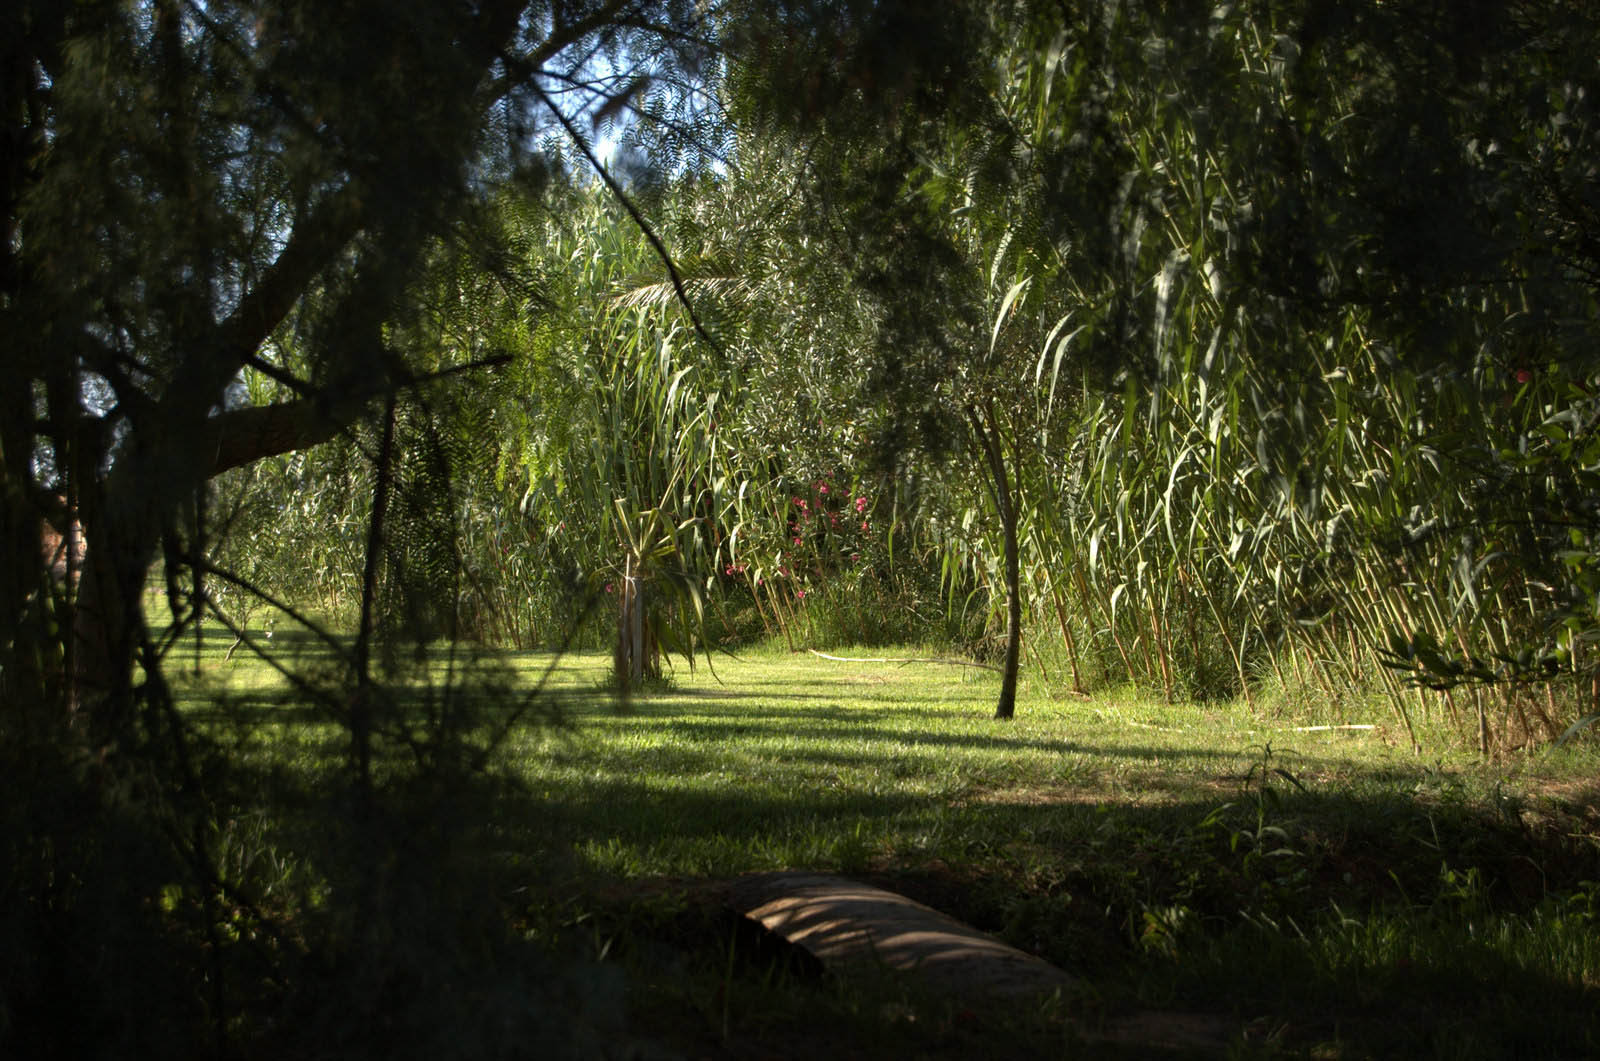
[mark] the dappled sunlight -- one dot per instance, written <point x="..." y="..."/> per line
<point x="1191" y="413"/>
<point x="1125" y="840"/>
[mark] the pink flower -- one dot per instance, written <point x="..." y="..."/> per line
<point x="728" y="570"/>
<point x="855" y="558"/>
<point x="608" y="587"/>
<point x="800" y="593"/>
<point x="797" y="541"/>
<point x="861" y="504"/>
<point x="823" y="489"/>
<point x="865" y="526"/>
<point x="1523" y="375"/>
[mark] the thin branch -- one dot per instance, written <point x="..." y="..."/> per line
<point x="300" y="684"/>
<point x="493" y="361"/>
<point x="682" y="128"/>
<point x="281" y="376"/>
<point x="562" y="37"/>
<point x="638" y="219"/>
<point x="909" y="659"/>
<point x="272" y="602"/>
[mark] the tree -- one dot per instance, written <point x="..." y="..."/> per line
<point x="183" y="183"/>
<point x="1280" y="176"/>
<point x="219" y="224"/>
<point x="948" y="210"/>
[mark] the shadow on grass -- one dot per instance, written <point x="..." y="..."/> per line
<point x="1387" y="913"/>
<point x="1320" y="923"/>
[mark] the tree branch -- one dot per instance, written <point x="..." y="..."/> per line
<point x="242" y="436"/>
<point x="638" y="219"/>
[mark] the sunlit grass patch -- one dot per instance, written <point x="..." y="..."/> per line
<point x="1162" y="851"/>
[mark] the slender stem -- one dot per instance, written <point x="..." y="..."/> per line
<point x="361" y="704"/>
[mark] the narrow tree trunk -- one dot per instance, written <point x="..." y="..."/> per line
<point x="1007" y="706"/>
<point x="197" y="547"/>
<point x="621" y="663"/>
<point x="636" y="631"/>
<point x="33" y="659"/>
<point x="987" y="433"/>
<point x="121" y="527"/>
<point x="361" y="706"/>
<point x="633" y="658"/>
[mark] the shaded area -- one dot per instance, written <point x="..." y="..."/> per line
<point x="1206" y="895"/>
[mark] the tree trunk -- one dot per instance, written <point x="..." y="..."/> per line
<point x="33" y="664"/>
<point x="986" y="432"/>
<point x="637" y="655"/>
<point x="361" y="706"/>
<point x="122" y="521"/>
<point x="636" y="631"/>
<point x="121" y="528"/>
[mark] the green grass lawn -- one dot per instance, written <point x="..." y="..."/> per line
<point x="1327" y="893"/>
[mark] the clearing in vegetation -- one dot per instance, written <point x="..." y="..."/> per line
<point x="1245" y="354"/>
<point x="1216" y="880"/>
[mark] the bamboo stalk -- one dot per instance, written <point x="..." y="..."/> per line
<point x="1066" y="635"/>
<point x="1157" y="636"/>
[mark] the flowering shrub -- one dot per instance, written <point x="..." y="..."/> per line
<point x="817" y="564"/>
<point x="818" y="537"/>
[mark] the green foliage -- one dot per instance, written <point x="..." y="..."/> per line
<point x="1177" y="860"/>
<point x="1253" y="428"/>
<point x="1238" y="347"/>
<point x="231" y="231"/>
